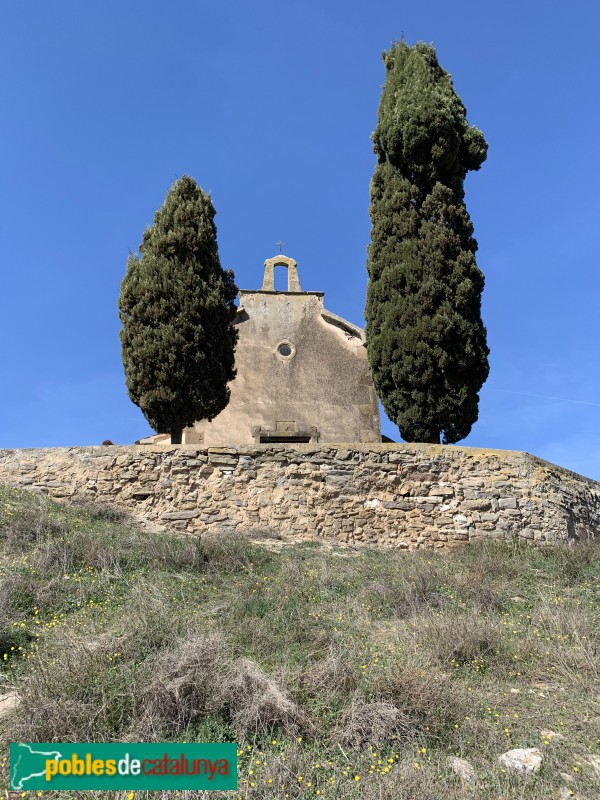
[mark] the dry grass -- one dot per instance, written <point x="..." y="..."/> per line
<point x="258" y="705"/>
<point x="376" y="724"/>
<point x="331" y="675"/>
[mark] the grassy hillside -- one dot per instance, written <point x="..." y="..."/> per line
<point x="339" y="673"/>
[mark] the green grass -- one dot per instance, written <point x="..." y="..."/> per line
<point x="339" y="674"/>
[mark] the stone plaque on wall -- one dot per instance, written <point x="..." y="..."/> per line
<point x="285" y="426"/>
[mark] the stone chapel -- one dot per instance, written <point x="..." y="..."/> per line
<point x="302" y="373"/>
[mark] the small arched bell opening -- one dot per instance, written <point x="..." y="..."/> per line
<point x="281" y="279"/>
<point x="293" y="284"/>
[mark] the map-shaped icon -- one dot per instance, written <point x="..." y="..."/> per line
<point x="26" y="763"/>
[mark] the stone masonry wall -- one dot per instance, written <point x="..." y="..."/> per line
<point x="403" y="496"/>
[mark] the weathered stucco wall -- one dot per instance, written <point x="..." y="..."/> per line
<point x="405" y="496"/>
<point x="321" y="389"/>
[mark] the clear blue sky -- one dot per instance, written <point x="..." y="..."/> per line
<point x="269" y="106"/>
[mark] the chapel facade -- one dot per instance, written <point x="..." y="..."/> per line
<point x="302" y="373"/>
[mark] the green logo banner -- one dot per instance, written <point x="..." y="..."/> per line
<point x="118" y="765"/>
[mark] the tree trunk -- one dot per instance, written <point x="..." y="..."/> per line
<point x="176" y="435"/>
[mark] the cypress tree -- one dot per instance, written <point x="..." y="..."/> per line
<point x="425" y="339"/>
<point x="177" y="306"/>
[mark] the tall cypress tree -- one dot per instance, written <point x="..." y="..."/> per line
<point x="177" y="306"/>
<point x="425" y="339"/>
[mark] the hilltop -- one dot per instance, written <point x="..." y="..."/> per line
<point x="340" y="674"/>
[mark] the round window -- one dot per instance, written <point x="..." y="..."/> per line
<point x="285" y="350"/>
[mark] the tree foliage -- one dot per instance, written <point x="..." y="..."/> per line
<point x="177" y="306"/>
<point x="425" y="338"/>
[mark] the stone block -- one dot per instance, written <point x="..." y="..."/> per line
<point x="489" y="517"/>
<point x="427" y="500"/>
<point x="479" y="504"/>
<point x="180" y="515"/>
<point x="441" y="491"/>
<point x="222" y="461"/>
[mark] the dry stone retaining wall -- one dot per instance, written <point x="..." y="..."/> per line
<point x="403" y="496"/>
